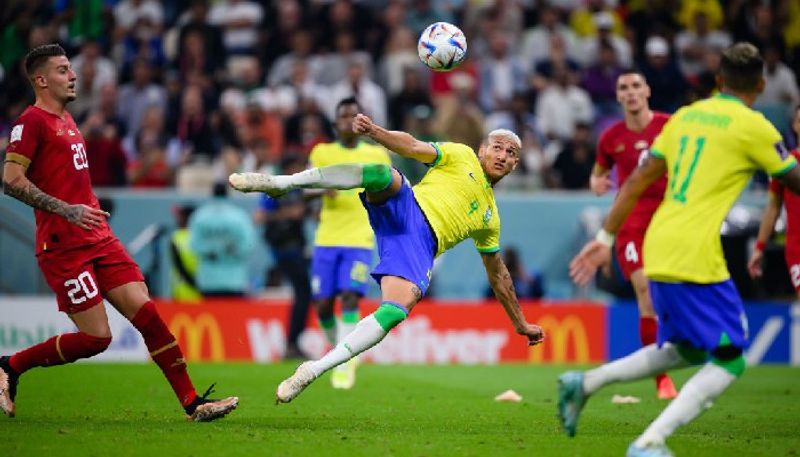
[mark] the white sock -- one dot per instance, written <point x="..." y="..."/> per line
<point x="330" y="334"/>
<point x="647" y="361"/>
<point x="344" y="329"/>
<point x="694" y="398"/>
<point x="342" y="176"/>
<point x="367" y="333"/>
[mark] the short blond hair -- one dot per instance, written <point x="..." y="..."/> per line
<point x="506" y="134"/>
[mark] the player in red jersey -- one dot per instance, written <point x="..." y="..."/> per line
<point x="778" y="197"/>
<point x="625" y="145"/>
<point x="81" y="259"/>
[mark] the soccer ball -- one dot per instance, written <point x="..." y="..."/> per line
<point x="442" y="46"/>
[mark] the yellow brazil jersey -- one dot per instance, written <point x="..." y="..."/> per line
<point x="343" y="220"/>
<point x="711" y="149"/>
<point x="458" y="200"/>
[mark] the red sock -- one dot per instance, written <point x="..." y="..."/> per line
<point x="58" y="350"/>
<point x="648" y="330"/>
<point x="165" y="351"/>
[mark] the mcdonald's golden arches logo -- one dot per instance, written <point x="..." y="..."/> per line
<point x="559" y="334"/>
<point x="193" y="333"/>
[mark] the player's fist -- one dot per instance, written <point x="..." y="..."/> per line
<point x="534" y="333"/>
<point x="84" y="216"/>
<point x="600" y="184"/>
<point x="362" y="124"/>
<point x="754" y="264"/>
<point x="583" y="267"/>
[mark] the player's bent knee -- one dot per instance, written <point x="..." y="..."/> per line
<point x="730" y="358"/>
<point x="691" y="354"/>
<point x="376" y="177"/>
<point x="93" y="345"/>
<point x="389" y="314"/>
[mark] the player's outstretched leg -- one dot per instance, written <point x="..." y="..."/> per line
<point x="697" y="395"/>
<point x="372" y="177"/>
<point x="575" y="388"/>
<point x="648" y="329"/>
<point x="167" y="354"/>
<point x="344" y="375"/>
<point x="368" y="332"/>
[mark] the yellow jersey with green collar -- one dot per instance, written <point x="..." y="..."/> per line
<point x="343" y="220"/>
<point x="458" y="200"/>
<point x="711" y="149"/>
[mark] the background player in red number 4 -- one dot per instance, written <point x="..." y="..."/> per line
<point x="81" y="259"/>
<point x="778" y="196"/>
<point x="625" y="145"/>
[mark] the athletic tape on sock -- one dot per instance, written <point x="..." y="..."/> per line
<point x="389" y="314"/>
<point x="376" y="177"/>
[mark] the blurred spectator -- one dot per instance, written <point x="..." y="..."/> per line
<point x="483" y="20"/>
<point x="261" y="122"/>
<point x="669" y="88"/>
<point x="458" y="117"/>
<point x="692" y="44"/>
<point x="94" y="71"/>
<point x="562" y="105"/>
<point x="536" y="42"/>
<point x="183" y="260"/>
<point x="711" y="9"/>
<point x="222" y="234"/>
<point x="600" y="81"/>
<point x="85" y="20"/>
<point x="286" y="19"/>
<point x="391" y="18"/>
<point x="302" y="44"/>
<point x="583" y="23"/>
<point x="649" y="17"/>
<point x="138" y="96"/>
<point x="411" y="95"/>
<point x="239" y="21"/>
<point x="334" y="66"/>
<point x="306" y="127"/>
<point x="780" y="95"/>
<point x="501" y="74"/>
<point x="195" y="23"/>
<point x="573" y="166"/>
<point x="543" y="70"/>
<point x="104" y="152"/>
<point x="143" y="41"/>
<point x="357" y="84"/>
<point x="339" y="16"/>
<point x="128" y="13"/>
<point x="194" y="59"/>
<point x="300" y="86"/>
<point x="193" y="128"/>
<point x="528" y="284"/>
<point x="604" y="22"/>
<point x="284" y="232"/>
<point x="755" y="22"/>
<point x="422" y="13"/>
<point x="399" y="55"/>
<point x="705" y="84"/>
<point x="150" y="168"/>
<point x="259" y="157"/>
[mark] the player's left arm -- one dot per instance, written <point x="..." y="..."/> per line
<point x="17" y="185"/>
<point x="503" y="287"/>
<point x="771" y="213"/>
<point x="598" y="251"/>
<point x="402" y="143"/>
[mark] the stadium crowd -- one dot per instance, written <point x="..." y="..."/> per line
<point x="182" y="93"/>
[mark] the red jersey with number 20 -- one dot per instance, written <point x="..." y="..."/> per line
<point x="54" y="152"/>
<point x="627" y="149"/>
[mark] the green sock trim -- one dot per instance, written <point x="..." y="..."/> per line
<point x="376" y="177"/>
<point x="351" y="317"/>
<point x="691" y="354"/>
<point x="328" y="323"/>
<point x="734" y="367"/>
<point x="388" y="316"/>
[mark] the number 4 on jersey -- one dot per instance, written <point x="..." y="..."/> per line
<point x="679" y="193"/>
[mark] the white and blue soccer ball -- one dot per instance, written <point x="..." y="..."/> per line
<point x="442" y="46"/>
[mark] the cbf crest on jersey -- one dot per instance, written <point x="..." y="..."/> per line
<point x="487" y="216"/>
<point x="16" y="133"/>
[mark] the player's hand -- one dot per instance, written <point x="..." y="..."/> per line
<point x="584" y="266"/>
<point x="362" y="124"/>
<point x="600" y="184"/>
<point x="534" y="333"/>
<point x="85" y="217"/>
<point x="754" y="264"/>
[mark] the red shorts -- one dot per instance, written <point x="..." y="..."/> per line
<point x="628" y="247"/>
<point x="793" y="264"/>
<point x="81" y="276"/>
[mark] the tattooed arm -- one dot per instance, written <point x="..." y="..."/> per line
<point x="17" y="185"/>
<point x="503" y="287"/>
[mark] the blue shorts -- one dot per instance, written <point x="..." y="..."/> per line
<point x="339" y="269"/>
<point x="699" y="314"/>
<point x="406" y="243"/>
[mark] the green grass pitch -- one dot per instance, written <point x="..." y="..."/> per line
<point x="120" y="410"/>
